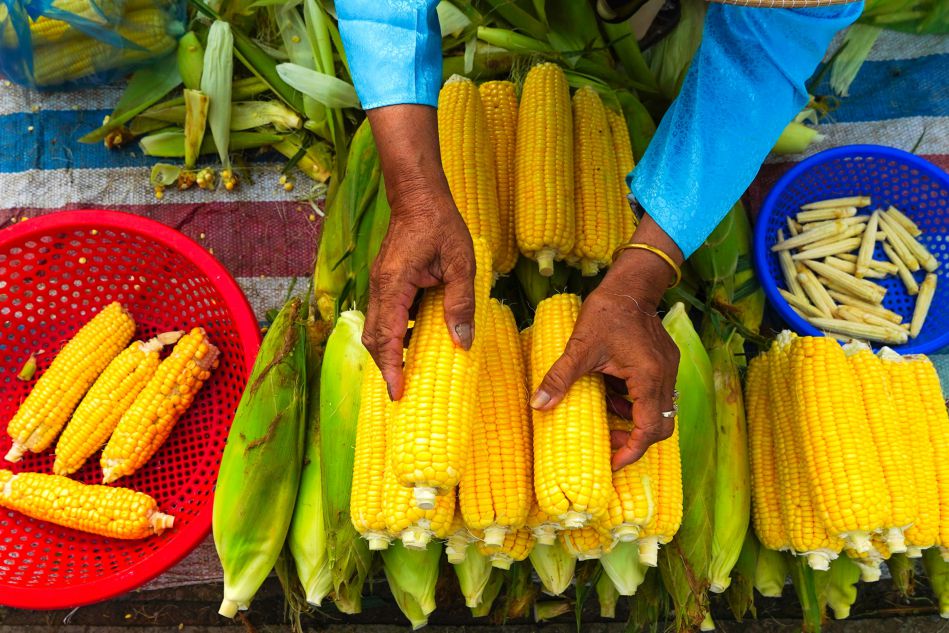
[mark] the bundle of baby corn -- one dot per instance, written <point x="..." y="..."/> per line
<point x="105" y="392"/>
<point x="829" y="269"/>
<point x="546" y="176"/>
<point x="833" y="466"/>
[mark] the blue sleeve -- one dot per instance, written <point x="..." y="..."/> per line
<point x="394" y="49"/>
<point x="745" y="84"/>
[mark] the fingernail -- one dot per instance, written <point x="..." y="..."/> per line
<point x="463" y="332"/>
<point x="540" y="399"/>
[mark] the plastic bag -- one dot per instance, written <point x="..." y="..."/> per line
<point x="57" y="43"/>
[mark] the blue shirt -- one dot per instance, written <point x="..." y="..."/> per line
<point x="743" y="87"/>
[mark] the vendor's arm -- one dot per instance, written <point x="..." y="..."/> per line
<point x="394" y="53"/>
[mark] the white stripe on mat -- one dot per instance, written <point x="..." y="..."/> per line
<point x="269" y="293"/>
<point x="103" y="188"/>
<point x="893" y="45"/>
<point x="931" y="134"/>
<point x="15" y="99"/>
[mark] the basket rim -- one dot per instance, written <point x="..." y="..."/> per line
<point x="186" y="539"/>
<point x="762" y="252"/>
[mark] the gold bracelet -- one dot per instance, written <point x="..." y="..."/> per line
<point x="655" y="251"/>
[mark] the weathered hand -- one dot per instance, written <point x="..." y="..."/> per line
<point x="427" y="245"/>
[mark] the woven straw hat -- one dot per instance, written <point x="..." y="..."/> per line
<point x="783" y="4"/>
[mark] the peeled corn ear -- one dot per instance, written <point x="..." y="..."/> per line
<point x="76" y="367"/>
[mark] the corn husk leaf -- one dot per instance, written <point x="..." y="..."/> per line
<point x="806" y="589"/>
<point x="190" y="57"/>
<point x="491" y="591"/>
<point x="795" y="139"/>
<point x="414" y="573"/>
<point x="671" y="57"/>
<point x="607" y="595"/>
<point x="171" y="143"/>
<point x="740" y="594"/>
<point x="837" y="587"/>
<point x="903" y="572"/>
<point x="196" y="118"/>
<point x="216" y="82"/>
<point x="451" y="19"/>
<point x="554" y="566"/>
<point x="650" y="604"/>
<point x="372" y="229"/>
<point x="858" y="41"/>
<point x="937" y="570"/>
<point x="473" y="575"/>
<point x="326" y="89"/>
<point x="771" y="572"/>
<point x="622" y="566"/>
<point x="521" y="591"/>
<point x="717" y="258"/>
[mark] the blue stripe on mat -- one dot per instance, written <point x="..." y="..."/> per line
<point x="895" y="89"/>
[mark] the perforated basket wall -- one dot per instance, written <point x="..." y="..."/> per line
<point x="890" y="177"/>
<point x="56" y="272"/>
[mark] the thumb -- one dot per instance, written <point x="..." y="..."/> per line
<point x="572" y="364"/>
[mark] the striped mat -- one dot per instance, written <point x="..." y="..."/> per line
<point x="267" y="237"/>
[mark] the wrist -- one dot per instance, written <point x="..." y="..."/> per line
<point x="641" y="275"/>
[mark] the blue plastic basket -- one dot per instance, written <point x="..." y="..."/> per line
<point x="890" y="177"/>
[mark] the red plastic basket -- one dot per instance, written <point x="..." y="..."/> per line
<point x="56" y="272"/>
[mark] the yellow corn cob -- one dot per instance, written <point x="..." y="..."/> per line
<point x="150" y="419"/>
<point x="933" y="402"/>
<point x="894" y="445"/>
<point x="667" y="488"/>
<point x="75" y="55"/>
<point x="831" y="424"/>
<point x="766" y="502"/>
<point x="459" y="539"/>
<point x="404" y="520"/>
<point x="623" y="151"/>
<point x="517" y="546"/>
<point x="46" y="30"/>
<point x="110" y="397"/>
<point x="54" y="397"/>
<point x="542" y="525"/>
<point x="572" y="476"/>
<point x="597" y="222"/>
<point x="431" y="424"/>
<point x="904" y="390"/>
<point x="495" y="491"/>
<point x="500" y="109"/>
<point x="588" y="542"/>
<point x="543" y="168"/>
<point x="634" y="504"/>
<point x="525" y="340"/>
<point x="103" y="510"/>
<point x="468" y="161"/>
<point x="365" y="503"/>
<point x="807" y="535"/>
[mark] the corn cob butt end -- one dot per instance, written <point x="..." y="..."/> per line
<point x="161" y="522"/>
<point x="424" y="497"/>
<point x="589" y="268"/>
<point x="944" y="553"/>
<point x="377" y="541"/>
<point x="545" y="262"/>
<point x="501" y="561"/>
<point x="15" y="453"/>
<point x="895" y="541"/>
<point x="914" y="551"/>
<point x="859" y="541"/>
<point x="573" y="520"/>
<point x="820" y="560"/>
<point x="494" y="536"/>
<point x="545" y="534"/>
<point x="163" y="339"/>
<point x="416" y="538"/>
<point x="719" y="585"/>
<point x="649" y="551"/>
<point x="228" y="608"/>
<point x="456" y="554"/>
<point x="627" y="533"/>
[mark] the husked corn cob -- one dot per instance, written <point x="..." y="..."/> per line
<point x="634" y="504"/>
<point x="807" y="534"/>
<point x="500" y="109"/>
<point x="517" y="545"/>
<point x="76" y="367"/>
<point x="110" y="396"/>
<point x="543" y="168"/>
<point x="468" y="161"/>
<point x="937" y="419"/>
<point x="667" y="516"/>
<point x="765" y="498"/>
<point x="890" y="439"/>
<point x="597" y="221"/>
<point x="495" y="490"/>
<point x="365" y="503"/>
<point x="625" y="163"/>
<point x="45" y="30"/>
<point x="572" y="479"/>
<point x="103" y="510"/>
<point x="588" y="542"/>
<point x="154" y="413"/>
<point x="831" y="425"/>
<point x="414" y="526"/>
<point x="430" y="426"/>
<point x="907" y="400"/>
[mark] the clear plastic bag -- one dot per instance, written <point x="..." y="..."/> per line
<point x="59" y="43"/>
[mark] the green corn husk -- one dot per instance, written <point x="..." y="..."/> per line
<point x="732" y="501"/>
<point x="344" y="361"/>
<point x="805" y="586"/>
<point x="491" y="591"/>
<point x="716" y="260"/>
<point x="837" y="587"/>
<point x="242" y="90"/>
<point x="324" y="88"/>
<point x="307" y="537"/>
<point x="518" y="18"/>
<point x="486" y="62"/>
<point x="473" y="575"/>
<point x="607" y="595"/>
<point x="937" y="570"/>
<point x="372" y="229"/>
<point x="740" y="594"/>
<point x="641" y="125"/>
<point x="313" y="159"/>
<point x="622" y="566"/>
<point x="554" y="565"/>
<point x="292" y="589"/>
<point x="771" y="572"/>
<point x="521" y="591"/>
<point x="684" y="562"/>
<point x="512" y="41"/>
<point x="795" y="138"/>
<point x="190" y="60"/>
<point x="671" y="57"/>
<point x="412" y="576"/>
<point x="745" y="297"/>
<point x="344" y="211"/>
<point x="171" y="143"/>
<point x="296" y="42"/>
<point x="858" y="41"/>
<point x="536" y="287"/>
<point x="164" y="175"/>
<point x="216" y="82"/>
<point x="261" y="464"/>
<point x="623" y="41"/>
<point x="649" y="606"/>
<point x="544" y="611"/>
<point x="196" y="118"/>
<point x="903" y="572"/>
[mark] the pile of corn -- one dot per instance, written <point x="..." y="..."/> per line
<point x="834" y="468"/>
<point x="105" y="392"/>
<point x="828" y="265"/>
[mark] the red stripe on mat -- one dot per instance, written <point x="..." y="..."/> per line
<point x="271" y="239"/>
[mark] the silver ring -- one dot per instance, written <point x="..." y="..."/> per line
<point x="675" y="395"/>
<point x="669" y="414"/>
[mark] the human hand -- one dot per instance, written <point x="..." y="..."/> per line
<point x="620" y="335"/>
